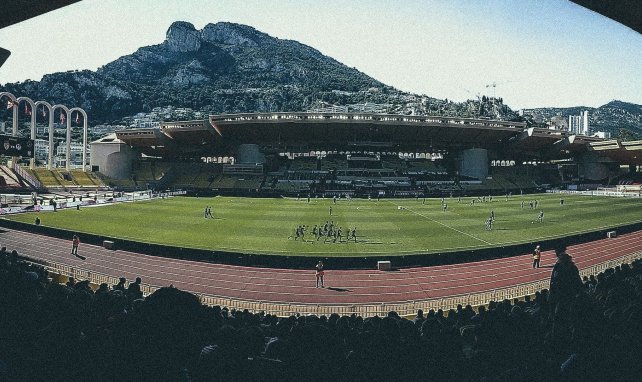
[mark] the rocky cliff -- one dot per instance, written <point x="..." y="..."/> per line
<point x="233" y="68"/>
<point x="224" y="67"/>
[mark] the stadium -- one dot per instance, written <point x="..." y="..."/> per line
<point x="227" y="213"/>
<point x="362" y="192"/>
<point x="221" y="219"/>
<point x="320" y="245"/>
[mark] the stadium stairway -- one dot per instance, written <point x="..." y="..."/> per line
<point x="9" y="179"/>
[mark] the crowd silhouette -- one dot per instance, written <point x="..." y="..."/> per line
<point x="54" y="332"/>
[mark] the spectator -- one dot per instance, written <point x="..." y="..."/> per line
<point x="419" y="317"/>
<point x="102" y="289"/>
<point x="121" y="284"/>
<point x="170" y="336"/>
<point x="133" y="290"/>
<point x="565" y="278"/>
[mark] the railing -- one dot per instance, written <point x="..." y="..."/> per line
<point x="26" y="176"/>
<point x="366" y="117"/>
<point x="406" y="308"/>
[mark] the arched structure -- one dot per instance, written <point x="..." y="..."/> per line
<point x="13" y="100"/>
<point x="49" y="108"/>
<point x="14" y="107"/>
<point x="32" y="161"/>
<point x="84" y="136"/>
<point x="68" y="147"/>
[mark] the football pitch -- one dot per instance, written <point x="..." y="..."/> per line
<point x="383" y="227"/>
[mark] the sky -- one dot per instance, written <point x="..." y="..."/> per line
<point x="536" y="53"/>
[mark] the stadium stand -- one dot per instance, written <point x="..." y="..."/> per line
<point x="362" y="174"/>
<point x="8" y="179"/>
<point x="86" y="179"/>
<point x="66" y="179"/>
<point x="77" y="331"/>
<point x="50" y="178"/>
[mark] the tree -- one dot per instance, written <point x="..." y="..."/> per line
<point x="626" y="135"/>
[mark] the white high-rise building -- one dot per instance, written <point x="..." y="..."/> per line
<point x="574" y="124"/>
<point x="578" y="124"/>
<point x="585" y="125"/>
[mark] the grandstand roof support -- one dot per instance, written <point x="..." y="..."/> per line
<point x="558" y="146"/>
<point x="521" y="136"/>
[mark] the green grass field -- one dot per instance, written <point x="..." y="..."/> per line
<point x="263" y="226"/>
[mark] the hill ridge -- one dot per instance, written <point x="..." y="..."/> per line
<point x="231" y="68"/>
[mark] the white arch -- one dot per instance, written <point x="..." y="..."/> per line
<point x="15" y="110"/>
<point x="50" y="155"/>
<point x="84" y="135"/>
<point x="28" y="100"/>
<point x="68" y="149"/>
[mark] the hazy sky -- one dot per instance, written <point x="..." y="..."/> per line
<point x="539" y="53"/>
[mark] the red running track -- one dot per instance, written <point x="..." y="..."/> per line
<point x="298" y="286"/>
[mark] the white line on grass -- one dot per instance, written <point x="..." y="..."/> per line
<point x="446" y="225"/>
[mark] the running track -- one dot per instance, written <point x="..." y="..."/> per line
<point x="293" y="286"/>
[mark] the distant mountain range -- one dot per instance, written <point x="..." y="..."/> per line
<point x="232" y="68"/>
<point x="616" y="117"/>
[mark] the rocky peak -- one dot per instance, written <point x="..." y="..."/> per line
<point x="183" y="37"/>
<point x="231" y="34"/>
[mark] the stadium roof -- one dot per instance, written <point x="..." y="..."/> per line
<point x="622" y="152"/>
<point x="303" y="132"/>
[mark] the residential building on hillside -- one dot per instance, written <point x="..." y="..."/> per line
<point x="558" y="122"/>
<point x="578" y="124"/>
<point x="602" y="134"/>
<point x="75" y="151"/>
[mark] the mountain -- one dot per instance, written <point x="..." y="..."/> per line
<point x="233" y="68"/>
<point x="224" y="67"/>
<point x="617" y="117"/>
